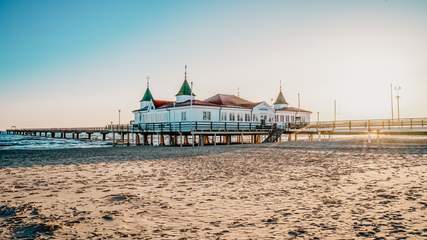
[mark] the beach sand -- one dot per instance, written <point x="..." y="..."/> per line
<point x="317" y="190"/>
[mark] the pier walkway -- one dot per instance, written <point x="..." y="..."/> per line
<point x="403" y="126"/>
<point x="168" y="133"/>
<point x="212" y="133"/>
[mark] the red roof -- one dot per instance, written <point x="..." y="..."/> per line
<point x="161" y="103"/>
<point x="188" y="103"/>
<point x="230" y="101"/>
<point x="292" y="109"/>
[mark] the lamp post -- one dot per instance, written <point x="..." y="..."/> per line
<point x="112" y="131"/>
<point x="318" y="122"/>
<point x="397" y="89"/>
<point x="299" y="106"/>
<point x="391" y="101"/>
<point x="191" y="112"/>
<point x="119" y="116"/>
<point x="335" y="110"/>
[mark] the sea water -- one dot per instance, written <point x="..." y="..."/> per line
<point x="22" y="142"/>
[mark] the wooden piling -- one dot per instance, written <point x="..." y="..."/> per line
<point x="201" y="140"/>
<point x="145" y="139"/>
<point x="162" y="140"/>
<point x="137" y="139"/>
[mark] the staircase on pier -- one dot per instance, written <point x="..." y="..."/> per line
<point x="274" y="135"/>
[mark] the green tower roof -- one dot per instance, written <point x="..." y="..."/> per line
<point x="147" y="95"/>
<point x="185" y="89"/>
<point x="280" y="99"/>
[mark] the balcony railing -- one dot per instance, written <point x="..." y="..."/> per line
<point x="204" y="126"/>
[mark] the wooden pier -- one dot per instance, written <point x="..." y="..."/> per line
<point x="215" y="133"/>
<point x="172" y="134"/>
<point x="403" y="126"/>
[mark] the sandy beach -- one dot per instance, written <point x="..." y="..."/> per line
<point x="317" y="190"/>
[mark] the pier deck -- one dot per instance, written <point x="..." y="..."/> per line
<point x="207" y="132"/>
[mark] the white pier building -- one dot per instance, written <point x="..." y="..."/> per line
<point x="233" y="110"/>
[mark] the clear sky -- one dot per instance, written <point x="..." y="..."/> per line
<point x="75" y="63"/>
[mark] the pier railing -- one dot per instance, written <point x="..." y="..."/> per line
<point x="372" y="124"/>
<point x="204" y="126"/>
<point x="80" y="129"/>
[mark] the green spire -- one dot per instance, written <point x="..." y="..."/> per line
<point x="185" y="87"/>
<point x="147" y="95"/>
<point x="280" y="98"/>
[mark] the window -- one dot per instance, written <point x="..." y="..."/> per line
<point x="239" y="117"/>
<point x="292" y="118"/>
<point x="247" y="117"/>
<point x="282" y="118"/>
<point x="287" y="118"/>
<point x="183" y="116"/>
<point x="206" y="116"/>
<point x="255" y="118"/>
<point x="232" y="117"/>
<point x="223" y="116"/>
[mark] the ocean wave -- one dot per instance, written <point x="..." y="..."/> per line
<point x="19" y="142"/>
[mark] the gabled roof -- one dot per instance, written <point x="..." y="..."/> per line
<point x="185" y="89"/>
<point x="147" y="95"/>
<point x="280" y="99"/>
<point x="230" y="100"/>
<point x="292" y="109"/>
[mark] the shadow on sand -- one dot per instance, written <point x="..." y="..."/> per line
<point x="29" y="158"/>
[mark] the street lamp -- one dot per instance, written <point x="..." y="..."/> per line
<point x="397" y="89"/>
<point x="191" y="108"/>
<point x="335" y="110"/>
<point x="119" y="116"/>
<point x="112" y="132"/>
<point x="391" y="101"/>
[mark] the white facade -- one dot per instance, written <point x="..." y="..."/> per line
<point x="261" y="112"/>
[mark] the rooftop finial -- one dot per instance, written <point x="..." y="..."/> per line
<point x="148" y="81"/>
<point x="185" y="73"/>
<point x="280" y="85"/>
<point x="238" y="92"/>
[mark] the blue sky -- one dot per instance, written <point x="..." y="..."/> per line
<point x="93" y="56"/>
<point x="41" y="34"/>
